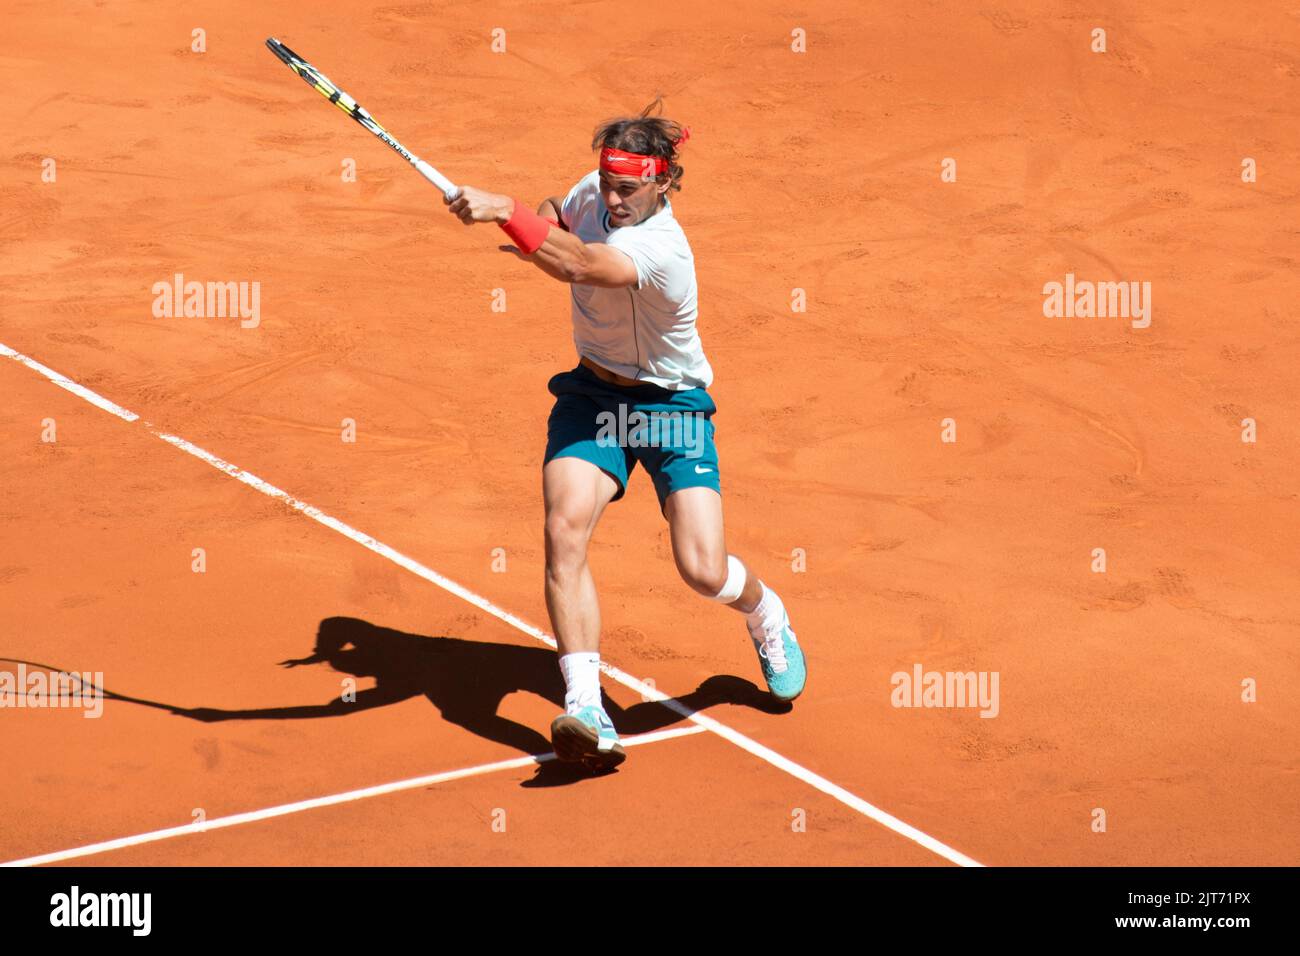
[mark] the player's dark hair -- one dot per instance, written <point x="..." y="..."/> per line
<point x="647" y="133"/>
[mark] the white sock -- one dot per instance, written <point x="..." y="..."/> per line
<point x="769" y="613"/>
<point x="581" y="680"/>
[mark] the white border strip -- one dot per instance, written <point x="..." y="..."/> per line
<point x="64" y="382"/>
<point x="285" y="809"/>
<point x="798" y="771"/>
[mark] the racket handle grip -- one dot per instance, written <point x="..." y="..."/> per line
<point x="449" y="189"/>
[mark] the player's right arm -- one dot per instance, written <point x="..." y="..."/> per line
<point x="550" y="209"/>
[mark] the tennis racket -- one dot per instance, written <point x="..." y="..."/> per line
<point x="321" y="83"/>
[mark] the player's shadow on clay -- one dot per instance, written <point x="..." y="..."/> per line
<point x="467" y="681"/>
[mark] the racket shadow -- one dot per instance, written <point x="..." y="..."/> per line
<point x="465" y="680"/>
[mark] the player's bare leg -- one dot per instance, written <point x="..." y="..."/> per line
<point x="575" y="493"/>
<point x="700" y="551"/>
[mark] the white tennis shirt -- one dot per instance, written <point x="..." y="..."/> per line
<point x="646" y="332"/>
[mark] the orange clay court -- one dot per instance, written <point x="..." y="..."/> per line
<point x="1160" y="691"/>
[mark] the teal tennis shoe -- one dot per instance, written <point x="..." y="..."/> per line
<point x="781" y="658"/>
<point x="587" y="737"/>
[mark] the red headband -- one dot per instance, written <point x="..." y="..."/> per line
<point x="622" y="163"/>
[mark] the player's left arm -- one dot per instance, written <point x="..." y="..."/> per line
<point x="562" y="255"/>
<point x="565" y="257"/>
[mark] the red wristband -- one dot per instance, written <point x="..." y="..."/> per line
<point x="526" y="228"/>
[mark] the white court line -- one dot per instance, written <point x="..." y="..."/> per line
<point x="252" y="816"/>
<point x="64" y="382"/>
<point x="415" y="567"/>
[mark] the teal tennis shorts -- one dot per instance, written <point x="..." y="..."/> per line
<point x="614" y="427"/>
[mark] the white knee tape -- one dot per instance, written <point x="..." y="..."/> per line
<point x="730" y="592"/>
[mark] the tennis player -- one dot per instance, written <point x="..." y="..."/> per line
<point x="638" y="394"/>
